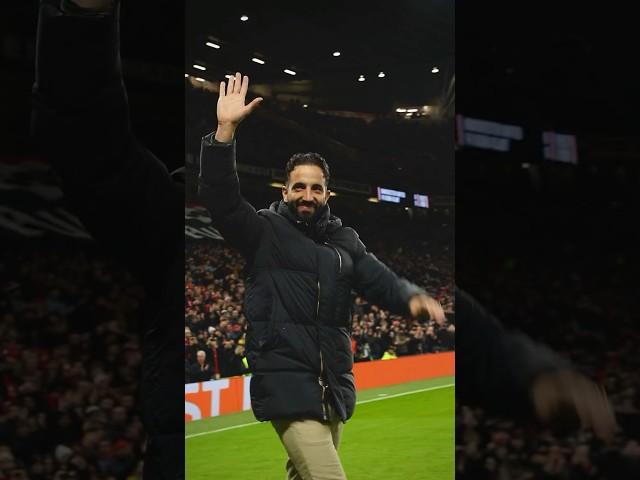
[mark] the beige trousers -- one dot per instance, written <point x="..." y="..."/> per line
<point x="312" y="447"/>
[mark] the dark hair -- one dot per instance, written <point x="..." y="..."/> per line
<point x="310" y="158"/>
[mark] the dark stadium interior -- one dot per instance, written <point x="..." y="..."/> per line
<point x="88" y="303"/>
<point x="550" y="247"/>
<point x="70" y="312"/>
<point x="355" y="126"/>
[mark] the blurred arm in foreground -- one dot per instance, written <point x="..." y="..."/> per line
<point x="507" y="373"/>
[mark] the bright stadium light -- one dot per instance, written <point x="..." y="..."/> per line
<point x="199" y="67"/>
<point x="435" y="70"/>
<point x="412" y="110"/>
<point x="290" y="72"/>
<point x="336" y="54"/>
<point x="373" y="200"/>
<point x="199" y="79"/>
<point x="381" y="75"/>
<point x="212" y="45"/>
<point x="257" y="60"/>
<point x="186" y="75"/>
<point x="244" y="18"/>
<point x="305" y="106"/>
<point x="361" y="78"/>
<point x="276" y="184"/>
<point x="401" y="110"/>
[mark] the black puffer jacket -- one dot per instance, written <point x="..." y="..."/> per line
<point x="298" y="294"/>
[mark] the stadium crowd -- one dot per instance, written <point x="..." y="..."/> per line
<point x="566" y="284"/>
<point x="215" y="324"/>
<point x="69" y="366"/>
<point x="601" y="342"/>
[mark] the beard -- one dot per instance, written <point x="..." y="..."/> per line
<point x="306" y="216"/>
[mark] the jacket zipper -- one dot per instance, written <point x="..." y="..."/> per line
<point x="320" y="380"/>
<point x="339" y="256"/>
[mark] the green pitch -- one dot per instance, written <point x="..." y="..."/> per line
<point x="397" y="433"/>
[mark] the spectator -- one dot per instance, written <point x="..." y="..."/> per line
<point x="201" y="370"/>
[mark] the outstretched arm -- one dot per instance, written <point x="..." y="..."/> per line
<point x="122" y="193"/>
<point x="508" y="373"/>
<point x="219" y="186"/>
<point x="380" y="285"/>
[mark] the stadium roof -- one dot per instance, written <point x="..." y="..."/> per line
<point x="404" y="39"/>
<point x="553" y="64"/>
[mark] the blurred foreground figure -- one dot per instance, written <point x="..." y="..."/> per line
<point x="122" y="193"/>
<point x="507" y="373"/>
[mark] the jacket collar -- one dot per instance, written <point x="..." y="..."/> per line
<point x="321" y="226"/>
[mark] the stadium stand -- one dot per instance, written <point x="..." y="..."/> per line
<point x="69" y="364"/>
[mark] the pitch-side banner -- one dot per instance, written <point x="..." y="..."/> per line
<point x="231" y="395"/>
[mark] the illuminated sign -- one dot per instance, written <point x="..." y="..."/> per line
<point x="562" y="148"/>
<point x="420" y="200"/>
<point x="388" y="195"/>
<point x="486" y="134"/>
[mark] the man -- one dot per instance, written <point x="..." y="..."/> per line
<point x="201" y="370"/>
<point x="302" y="265"/>
<point x="122" y="193"/>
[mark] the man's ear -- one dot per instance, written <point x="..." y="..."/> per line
<point x="284" y="193"/>
<point x="328" y="195"/>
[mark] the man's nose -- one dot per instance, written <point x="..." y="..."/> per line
<point x="307" y="195"/>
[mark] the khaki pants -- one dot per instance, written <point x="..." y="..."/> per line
<point x="312" y="448"/>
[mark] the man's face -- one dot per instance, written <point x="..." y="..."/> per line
<point x="306" y="191"/>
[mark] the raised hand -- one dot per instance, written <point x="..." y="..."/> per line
<point x="231" y="108"/>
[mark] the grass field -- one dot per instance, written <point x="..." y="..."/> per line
<point x="398" y="432"/>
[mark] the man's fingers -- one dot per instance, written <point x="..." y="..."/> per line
<point x="254" y="103"/>
<point x="245" y="86"/>
<point x="230" y="83"/>
<point x="423" y="304"/>
<point x="222" y="91"/>
<point x="237" y="83"/>
<point x="604" y="420"/>
<point x="582" y="398"/>
<point x="435" y="310"/>
<point x="587" y="400"/>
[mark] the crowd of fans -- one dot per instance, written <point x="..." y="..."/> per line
<point x="596" y="333"/>
<point x="69" y="366"/>
<point x="561" y="267"/>
<point x="215" y="323"/>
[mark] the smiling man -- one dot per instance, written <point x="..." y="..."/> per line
<point x="302" y="264"/>
<point x="306" y="190"/>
